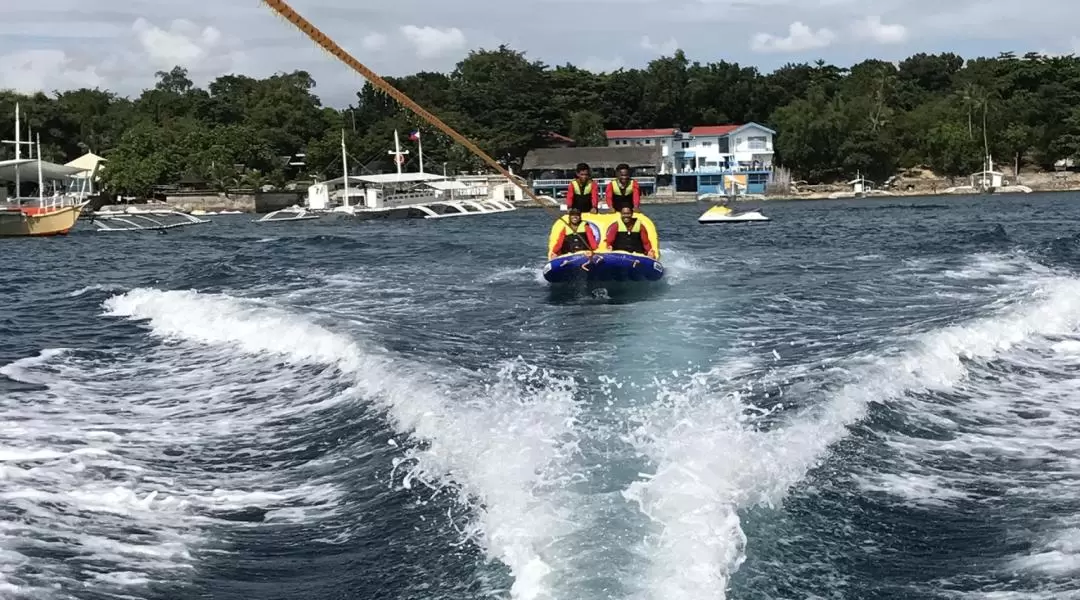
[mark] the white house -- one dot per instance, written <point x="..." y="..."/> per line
<point x="705" y="147"/>
<point x="665" y="138"/>
<point x="726" y="147"/>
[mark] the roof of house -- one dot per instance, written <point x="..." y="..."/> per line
<point x="86" y="162"/>
<point x="713" y="129"/>
<point x="602" y="157"/>
<point x="727" y="129"/>
<point x="615" y="134"/>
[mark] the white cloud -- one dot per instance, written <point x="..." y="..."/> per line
<point x="603" y="65"/>
<point x="799" y="39"/>
<point x="100" y="44"/>
<point x="29" y="71"/>
<point x="183" y="43"/>
<point x="432" y="42"/>
<point x="871" y="28"/>
<point x="665" y="49"/>
<point x="374" y="41"/>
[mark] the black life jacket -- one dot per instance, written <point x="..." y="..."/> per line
<point x="573" y="242"/>
<point x="629" y="240"/>
<point x="583" y="197"/>
<point x="619" y="197"/>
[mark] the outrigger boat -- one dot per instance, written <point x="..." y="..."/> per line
<point x="292" y="213"/>
<point x="605" y="265"/>
<point x="42" y="215"/>
<point x="152" y="216"/>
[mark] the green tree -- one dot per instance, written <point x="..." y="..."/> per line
<point x="934" y="110"/>
<point x="587" y="128"/>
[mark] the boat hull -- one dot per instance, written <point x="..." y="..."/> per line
<point x="29" y="223"/>
<point x="603" y="267"/>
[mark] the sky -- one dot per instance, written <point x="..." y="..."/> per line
<point x="53" y="45"/>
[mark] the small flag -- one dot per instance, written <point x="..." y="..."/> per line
<point x="415" y="135"/>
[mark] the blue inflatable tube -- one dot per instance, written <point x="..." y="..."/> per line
<point x="604" y="266"/>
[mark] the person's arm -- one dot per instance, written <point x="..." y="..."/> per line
<point x="569" y="194"/>
<point x="609" y="237"/>
<point x="647" y="243"/>
<point x="595" y="197"/>
<point x="593" y="242"/>
<point x="609" y="192"/>
<point x="637" y="196"/>
<point x="558" y="244"/>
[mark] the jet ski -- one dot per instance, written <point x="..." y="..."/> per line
<point x="725" y="214"/>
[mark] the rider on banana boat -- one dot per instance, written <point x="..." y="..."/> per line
<point x="569" y="240"/>
<point x="628" y="235"/>
<point x="582" y="193"/>
<point x="623" y="191"/>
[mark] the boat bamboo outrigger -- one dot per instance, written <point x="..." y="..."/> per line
<point x="283" y="9"/>
<point x="134" y="217"/>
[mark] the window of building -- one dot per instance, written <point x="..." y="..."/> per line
<point x="757" y="142"/>
<point x="686" y="144"/>
<point x="706" y="144"/>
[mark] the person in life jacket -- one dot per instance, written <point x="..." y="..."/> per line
<point x="623" y="191"/>
<point x="628" y="235"/>
<point x="582" y="192"/>
<point x="570" y="239"/>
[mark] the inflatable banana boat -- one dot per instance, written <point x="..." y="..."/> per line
<point x="605" y="264"/>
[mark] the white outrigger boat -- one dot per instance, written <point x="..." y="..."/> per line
<point x="292" y="213"/>
<point x="723" y="213"/>
<point x="400" y="195"/>
<point x="152" y="216"/>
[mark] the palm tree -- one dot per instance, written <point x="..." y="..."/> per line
<point x="970" y="94"/>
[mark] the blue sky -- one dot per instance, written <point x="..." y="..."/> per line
<point x="61" y="44"/>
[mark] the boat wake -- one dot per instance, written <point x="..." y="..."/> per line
<point x="122" y="466"/>
<point x="740" y="437"/>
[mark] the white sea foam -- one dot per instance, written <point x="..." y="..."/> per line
<point x="85" y="482"/>
<point x="712" y="458"/>
<point x="500" y="444"/>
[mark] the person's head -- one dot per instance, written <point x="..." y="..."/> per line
<point x="583" y="172"/>
<point x="575" y="216"/>
<point x="627" y="214"/>
<point x="623" y="173"/>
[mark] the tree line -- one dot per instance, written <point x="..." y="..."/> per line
<point x="937" y="111"/>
